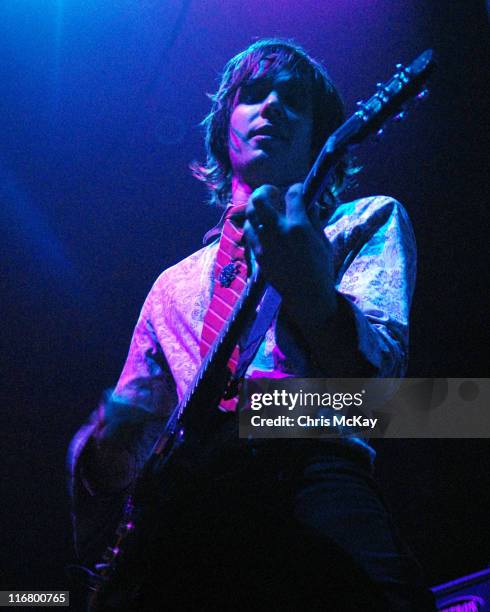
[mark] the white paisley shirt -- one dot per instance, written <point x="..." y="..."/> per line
<point x="375" y="264"/>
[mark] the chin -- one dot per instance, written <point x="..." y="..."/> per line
<point x="265" y="168"/>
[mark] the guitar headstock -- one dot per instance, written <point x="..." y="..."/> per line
<point x="388" y="101"/>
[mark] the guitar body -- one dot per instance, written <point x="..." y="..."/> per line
<point x="166" y="481"/>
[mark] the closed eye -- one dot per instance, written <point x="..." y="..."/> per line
<point x="291" y="92"/>
<point x="295" y="96"/>
<point x="254" y="92"/>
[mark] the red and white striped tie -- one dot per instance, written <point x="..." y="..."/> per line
<point x="230" y="278"/>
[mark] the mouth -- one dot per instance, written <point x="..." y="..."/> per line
<point x="268" y="131"/>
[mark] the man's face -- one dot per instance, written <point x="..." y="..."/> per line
<point x="270" y="131"/>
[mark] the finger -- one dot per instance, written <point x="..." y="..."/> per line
<point x="251" y="238"/>
<point x="295" y="207"/>
<point x="262" y="209"/>
<point x="296" y="210"/>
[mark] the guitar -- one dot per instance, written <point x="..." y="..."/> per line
<point x="116" y="580"/>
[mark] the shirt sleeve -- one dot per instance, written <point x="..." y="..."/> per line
<point x="144" y="395"/>
<point x="146" y="381"/>
<point x="375" y="284"/>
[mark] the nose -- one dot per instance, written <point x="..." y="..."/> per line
<point x="272" y="106"/>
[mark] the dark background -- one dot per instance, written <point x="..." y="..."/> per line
<point x="99" y="116"/>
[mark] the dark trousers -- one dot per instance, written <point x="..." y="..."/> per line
<point x="284" y="524"/>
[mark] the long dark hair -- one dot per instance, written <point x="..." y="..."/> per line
<point x="327" y="105"/>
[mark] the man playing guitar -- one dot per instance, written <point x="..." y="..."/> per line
<point x="287" y="523"/>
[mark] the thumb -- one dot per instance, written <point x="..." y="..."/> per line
<point x="295" y="207"/>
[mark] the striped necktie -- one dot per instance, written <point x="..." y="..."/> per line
<point x="230" y="278"/>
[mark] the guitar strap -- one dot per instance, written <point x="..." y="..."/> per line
<point x="250" y="344"/>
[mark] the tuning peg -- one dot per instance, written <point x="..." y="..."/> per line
<point x="399" y="66"/>
<point x="361" y="111"/>
<point x="400" y="116"/>
<point x="379" y="134"/>
<point x="423" y="94"/>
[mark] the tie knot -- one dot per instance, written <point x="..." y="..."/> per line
<point x="236" y="214"/>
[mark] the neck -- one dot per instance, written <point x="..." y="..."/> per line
<point x="241" y="191"/>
